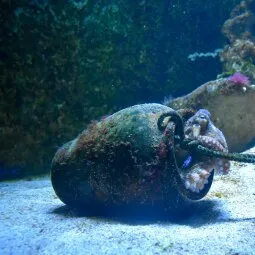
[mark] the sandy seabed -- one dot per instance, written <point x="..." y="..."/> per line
<point x="34" y="221"/>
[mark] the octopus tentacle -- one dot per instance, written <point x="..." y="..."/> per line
<point x="174" y="117"/>
<point x="222" y="166"/>
<point x="196" y="184"/>
<point x="205" y="149"/>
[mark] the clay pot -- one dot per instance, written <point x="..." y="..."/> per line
<point x="125" y="160"/>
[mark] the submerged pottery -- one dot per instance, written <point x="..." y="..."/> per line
<point x="128" y="159"/>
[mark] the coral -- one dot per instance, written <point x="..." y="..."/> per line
<point x="239" y="78"/>
<point x="239" y="54"/>
<point x="196" y="55"/>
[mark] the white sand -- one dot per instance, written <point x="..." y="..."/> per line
<point x="34" y="221"/>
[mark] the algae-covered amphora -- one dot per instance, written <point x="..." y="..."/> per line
<point x="129" y="159"/>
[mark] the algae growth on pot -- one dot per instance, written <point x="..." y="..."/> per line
<point x="144" y="155"/>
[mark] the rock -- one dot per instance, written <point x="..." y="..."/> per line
<point x="231" y="106"/>
<point x="239" y="54"/>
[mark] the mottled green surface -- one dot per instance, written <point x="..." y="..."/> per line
<point x="122" y="160"/>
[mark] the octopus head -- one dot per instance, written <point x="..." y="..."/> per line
<point x="196" y="171"/>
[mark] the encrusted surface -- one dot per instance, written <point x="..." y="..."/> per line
<point x="239" y="54"/>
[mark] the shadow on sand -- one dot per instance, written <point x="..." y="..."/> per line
<point x="194" y="215"/>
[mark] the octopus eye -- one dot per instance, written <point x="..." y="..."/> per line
<point x="203" y="122"/>
<point x="202" y="117"/>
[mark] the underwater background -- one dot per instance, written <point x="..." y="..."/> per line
<point x="86" y="167"/>
<point x="65" y="63"/>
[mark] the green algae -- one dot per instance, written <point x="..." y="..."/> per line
<point x="65" y="63"/>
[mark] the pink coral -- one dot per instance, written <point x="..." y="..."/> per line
<point x="239" y="78"/>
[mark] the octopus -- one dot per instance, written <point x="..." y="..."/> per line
<point x="200" y="128"/>
<point x="231" y="106"/>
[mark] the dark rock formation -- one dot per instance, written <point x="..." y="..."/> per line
<point x="239" y="54"/>
<point x="231" y="106"/>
